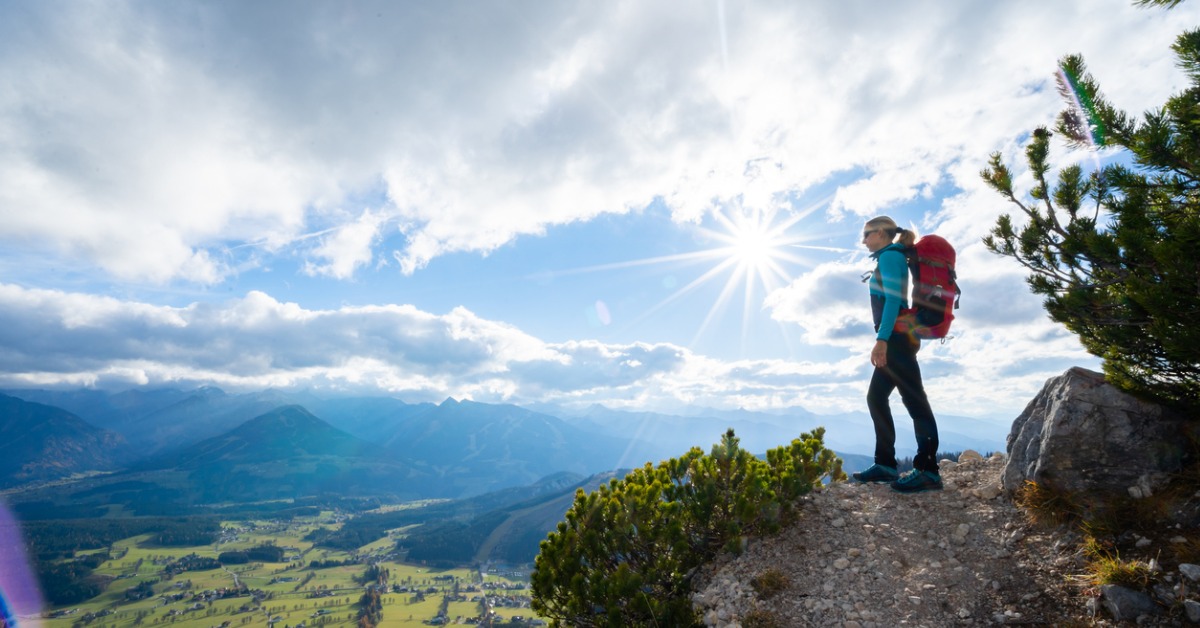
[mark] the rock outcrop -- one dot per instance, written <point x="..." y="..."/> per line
<point x="1082" y="435"/>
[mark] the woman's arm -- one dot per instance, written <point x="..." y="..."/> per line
<point x="893" y="268"/>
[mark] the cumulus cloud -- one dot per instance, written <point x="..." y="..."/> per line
<point x="147" y="138"/>
<point x="53" y="338"/>
<point x="829" y="303"/>
<point x="347" y="247"/>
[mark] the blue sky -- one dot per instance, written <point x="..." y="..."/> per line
<point x="526" y="202"/>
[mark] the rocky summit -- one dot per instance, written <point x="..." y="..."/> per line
<point x="863" y="555"/>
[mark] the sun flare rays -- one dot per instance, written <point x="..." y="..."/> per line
<point x="743" y="255"/>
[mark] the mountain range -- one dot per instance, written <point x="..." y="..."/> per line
<point x="209" y="446"/>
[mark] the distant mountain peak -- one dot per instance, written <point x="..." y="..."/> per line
<point x="286" y="432"/>
<point x="43" y="442"/>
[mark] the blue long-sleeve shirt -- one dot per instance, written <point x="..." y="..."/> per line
<point x="889" y="288"/>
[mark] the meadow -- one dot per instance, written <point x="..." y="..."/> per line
<point x="289" y="593"/>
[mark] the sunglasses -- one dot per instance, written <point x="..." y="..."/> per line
<point x="868" y="233"/>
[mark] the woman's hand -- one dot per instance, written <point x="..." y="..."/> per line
<point x="879" y="354"/>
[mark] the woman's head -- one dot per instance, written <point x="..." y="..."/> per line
<point x="881" y="231"/>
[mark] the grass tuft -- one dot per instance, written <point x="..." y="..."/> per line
<point x="770" y="583"/>
<point x="759" y="618"/>
<point x="1187" y="552"/>
<point x="1046" y="506"/>
<point x="1105" y="566"/>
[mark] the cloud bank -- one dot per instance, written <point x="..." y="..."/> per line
<point x="53" y="339"/>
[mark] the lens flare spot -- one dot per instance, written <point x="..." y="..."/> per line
<point x="1081" y="119"/>
<point x="598" y="315"/>
<point x="19" y="595"/>
<point x="603" y="314"/>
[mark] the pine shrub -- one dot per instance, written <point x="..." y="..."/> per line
<point x="626" y="553"/>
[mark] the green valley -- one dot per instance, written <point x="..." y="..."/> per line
<point x="148" y="583"/>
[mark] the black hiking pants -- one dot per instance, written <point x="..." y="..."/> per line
<point x="903" y="372"/>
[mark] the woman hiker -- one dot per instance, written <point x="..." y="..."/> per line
<point x="895" y="360"/>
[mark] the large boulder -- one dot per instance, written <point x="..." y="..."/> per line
<point x="1084" y="436"/>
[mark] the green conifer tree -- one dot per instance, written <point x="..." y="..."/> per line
<point x="1116" y="253"/>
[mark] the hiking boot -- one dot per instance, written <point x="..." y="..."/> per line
<point x="916" y="481"/>
<point x="876" y="473"/>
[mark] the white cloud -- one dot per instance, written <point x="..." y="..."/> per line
<point x="870" y="196"/>
<point x="348" y="247"/>
<point x="829" y="303"/>
<point x="52" y="338"/>
<point x="146" y="137"/>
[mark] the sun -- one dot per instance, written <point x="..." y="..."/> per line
<point x="752" y="246"/>
<point x="755" y="244"/>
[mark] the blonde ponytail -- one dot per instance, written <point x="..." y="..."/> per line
<point x="907" y="237"/>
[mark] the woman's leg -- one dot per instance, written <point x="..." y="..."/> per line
<point x="880" y="389"/>
<point x="902" y="363"/>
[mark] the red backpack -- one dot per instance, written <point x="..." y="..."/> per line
<point x="935" y="289"/>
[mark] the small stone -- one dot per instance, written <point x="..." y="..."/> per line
<point x="841" y="563"/>
<point x="964" y="613"/>
<point x="1192" y="609"/>
<point x="989" y="491"/>
<point x="914" y="600"/>
<point x="1191" y="571"/>
<point x="837" y="523"/>
<point x="1178" y="539"/>
<point x="1126" y="604"/>
<point x="1142" y="542"/>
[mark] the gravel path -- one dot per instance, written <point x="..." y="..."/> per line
<point x="864" y="555"/>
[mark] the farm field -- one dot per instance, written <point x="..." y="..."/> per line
<point x="289" y="593"/>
